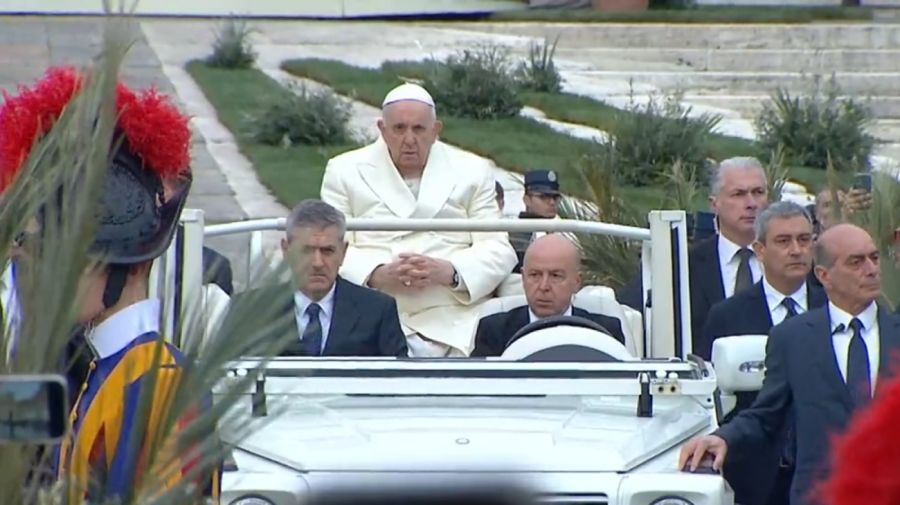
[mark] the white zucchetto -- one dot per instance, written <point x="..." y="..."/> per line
<point x="408" y="91"/>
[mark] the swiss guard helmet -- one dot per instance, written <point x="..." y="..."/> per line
<point x="137" y="216"/>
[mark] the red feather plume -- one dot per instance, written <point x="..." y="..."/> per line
<point x="157" y="132"/>
<point x="866" y="459"/>
<point x="29" y="115"/>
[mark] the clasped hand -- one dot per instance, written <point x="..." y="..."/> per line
<point x="412" y="271"/>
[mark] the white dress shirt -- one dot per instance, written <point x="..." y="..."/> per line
<point x="532" y="317"/>
<point x="116" y="332"/>
<point x="326" y="304"/>
<point x="774" y="298"/>
<point x="729" y="262"/>
<point x="841" y="339"/>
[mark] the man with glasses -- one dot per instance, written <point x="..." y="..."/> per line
<point x="541" y="200"/>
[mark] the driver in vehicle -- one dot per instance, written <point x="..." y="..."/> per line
<point x="550" y="277"/>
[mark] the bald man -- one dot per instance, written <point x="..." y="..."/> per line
<point x="824" y="364"/>
<point x="550" y="276"/>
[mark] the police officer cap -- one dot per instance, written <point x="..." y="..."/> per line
<point x="542" y="181"/>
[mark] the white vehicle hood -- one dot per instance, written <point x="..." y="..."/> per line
<point x="453" y="434"/>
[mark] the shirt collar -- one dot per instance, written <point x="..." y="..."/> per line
<point x="727" y="248"/>
<point x="120" y="329"/>
<point x="839" y="317"/>
<point x="775" y="297"/>
<point x="326" y="303"/>
<point x="532" y="317"/>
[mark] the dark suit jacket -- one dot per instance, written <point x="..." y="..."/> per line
<point x="705" y="276"/>
<point x="707" y="289"/>
<point x="751" y="475"/>
<point x="495" y="330"/>
<point x="802" y="376"/>
<point x="364" y="321"/>
<point x="520" y="240"/>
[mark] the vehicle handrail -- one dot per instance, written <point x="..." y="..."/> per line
<point x="464" y="225"/>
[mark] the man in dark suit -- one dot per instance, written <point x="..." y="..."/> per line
<point x="541" y="201"/>
<point x="723" y="264"/>
<point x="327" y="315"/>
<point x="550" y="278"/>
<point x="783" y="245"/>
<point x="821" y="366"/>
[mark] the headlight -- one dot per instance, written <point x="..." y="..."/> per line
<point x="671" y="500"/>
<point x="251" y="500"/>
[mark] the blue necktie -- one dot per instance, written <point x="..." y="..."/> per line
<point x="791" y="307"/>
<point x="311" y="341"/>
<point x="858" y="379"/>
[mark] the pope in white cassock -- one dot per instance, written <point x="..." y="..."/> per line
<point x="438" y="278"/>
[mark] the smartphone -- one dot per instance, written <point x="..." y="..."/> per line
<point x="33" y="408"/>
<point x="863" y="180"/>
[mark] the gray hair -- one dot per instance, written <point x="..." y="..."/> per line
<point x="737" y="163"/>
<point x="315" y="214"/>
<point x="778" y="210"/>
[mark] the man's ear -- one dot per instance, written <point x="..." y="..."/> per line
<point x="821" y="273"/>
<point x="438" y="127"/>
<point x="285" y="246"/>
<point x="380" y="125"/>
<point x="759" y="248"/>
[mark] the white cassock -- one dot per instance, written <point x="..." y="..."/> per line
<point x="365" y="184"/>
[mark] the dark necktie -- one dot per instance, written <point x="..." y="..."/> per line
<point x="744" y="277"/>
<point x="858" y="380"/>
<point x="311" y="342"/>
<point x="791" y="307"/>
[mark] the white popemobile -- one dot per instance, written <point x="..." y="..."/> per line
<point x="572" y="416"/>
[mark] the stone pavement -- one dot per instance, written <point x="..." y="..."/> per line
<point x="28" y="45"/>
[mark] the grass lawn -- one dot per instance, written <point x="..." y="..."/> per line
<point x="705" y="14"/>
<point x="239" y="96"/>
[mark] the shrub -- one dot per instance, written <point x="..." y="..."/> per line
<point x="650" y="138"/>
<point x="307" y="117"/>
<point x="476" y="84"/>
<point x="606" y="260"/>
<point x="817" y="126"/>
<point x="539" y="73"/>
<point x="232" y="48"/>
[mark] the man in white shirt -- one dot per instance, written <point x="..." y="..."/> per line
<point x="550" y="277"/>
<point x="320" y="313"/>
<point x="724" y="264"/>
<point x="783" y="245"/>
<point x="823" y="365"/>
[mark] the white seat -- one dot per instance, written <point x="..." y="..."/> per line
<point x="540" y="340"/>
<point x="595" y="299"/>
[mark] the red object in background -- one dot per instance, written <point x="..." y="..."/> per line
<point x="865" y="461"/>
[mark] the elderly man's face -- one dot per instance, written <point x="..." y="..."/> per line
<point x="315" y="256"/>
<point x="409" y="129"/>
<point x="854" y="278"/>
<point x="550" y="275"/>
<point x="742" y="196"/>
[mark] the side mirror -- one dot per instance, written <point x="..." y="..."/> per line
<point x="32" y="408"/>
<point x="739" y="362"/>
